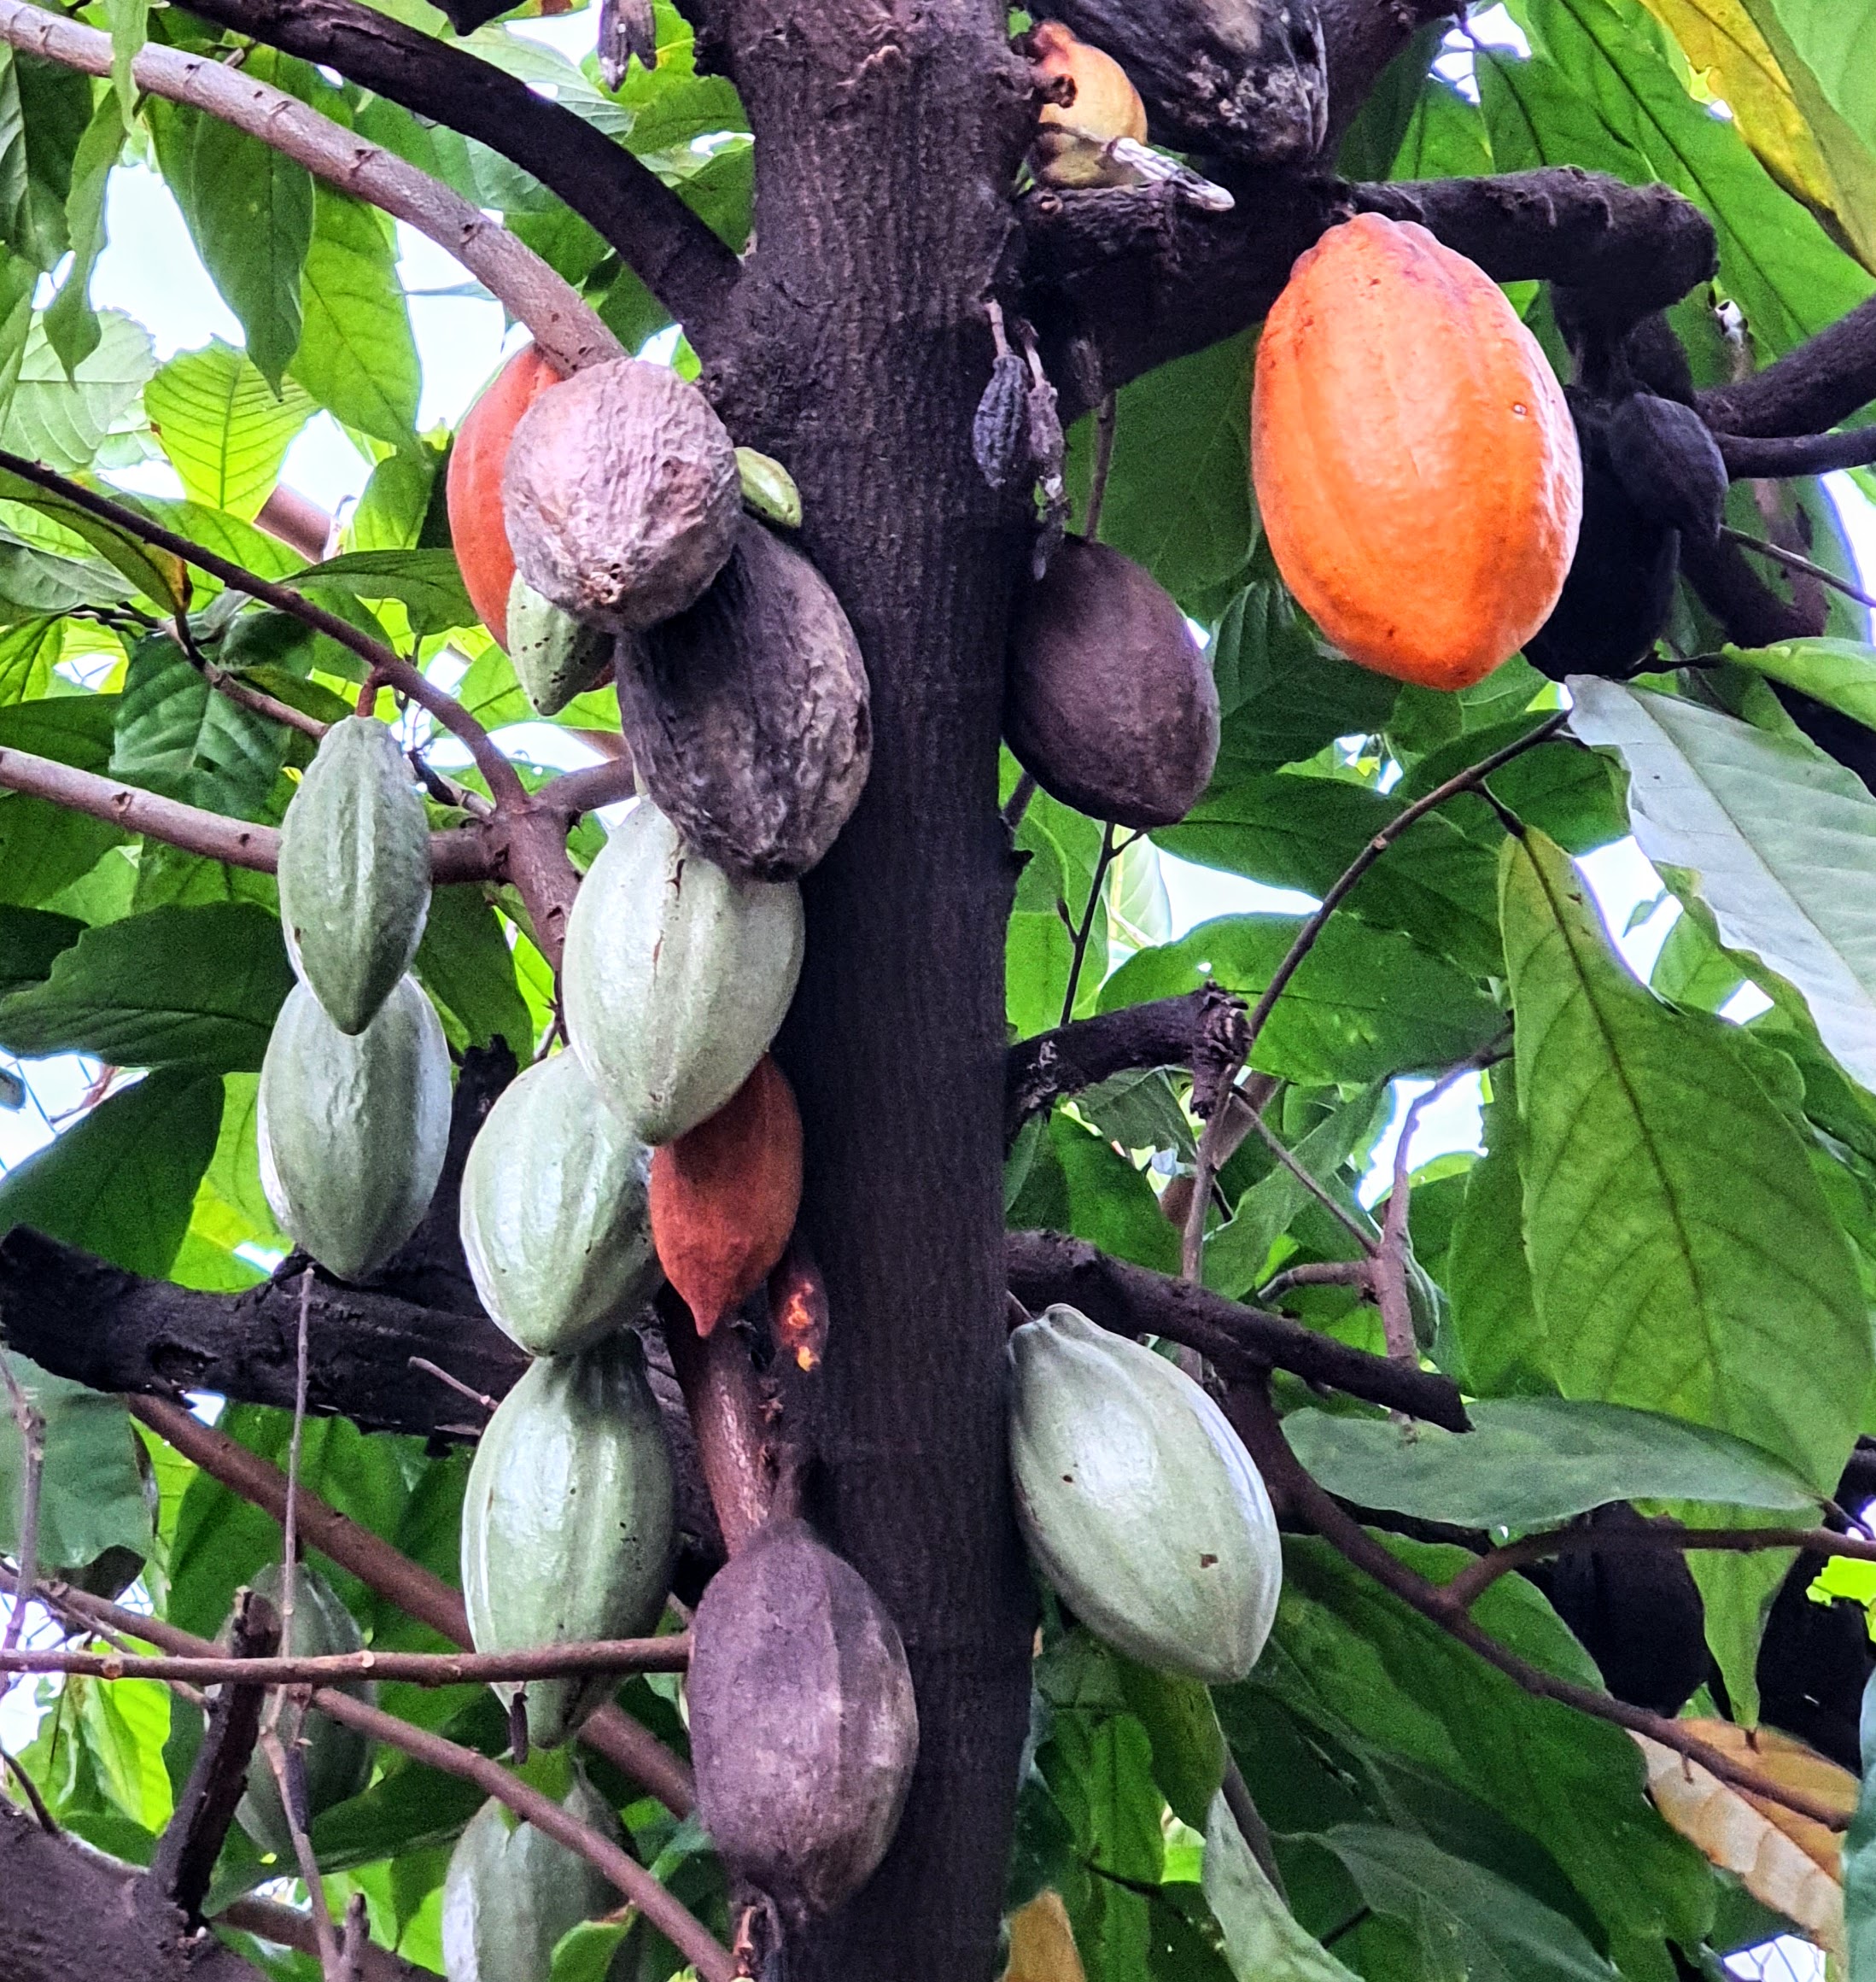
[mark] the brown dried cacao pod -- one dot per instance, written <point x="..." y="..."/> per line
<point x="1669" y="463"/>
<point x="1109" y="703"/>
<point x="747" y="715"/>
<point x="804" y="1730"/>
<point x="621" y="498"/>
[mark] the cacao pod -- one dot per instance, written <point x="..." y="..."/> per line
<point x="354" y="871"/>
<point x="1620" y="590"/>
<point x="747" y="716"/>
<point x="1138" y="1501"/>
<point x="804" y="1730"/>
<point x="1104" y="102"/>
<point x="352" y="1129"/>
<point x="1000" y="426"/>
<point x="555" y="656"/>
<point x="621" y="494"/>
<point x="1415" y="464"/>
<point x="554" y="1221"/>
<point x="1109" y="703"/>
<point x="568" y="1521"/>
<point x="511" y="1891"/>
<point x="337" y="1759"/>
<point x="724" y="1196"/>
<point x="768" y="489"/>
<point x="472" y="486"/>
<point x="1666" y="457"/>
<point x="676" y="977"/>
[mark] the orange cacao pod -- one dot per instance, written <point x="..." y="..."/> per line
<point x="1414" y="460"/>
<point x="725" y="1195"/>
<point x="473" y="488"/>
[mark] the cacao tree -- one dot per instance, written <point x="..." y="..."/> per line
<point x="747" y="1359"/>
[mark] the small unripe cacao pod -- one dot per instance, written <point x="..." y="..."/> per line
<point x="676" y="977"/>
<point x="352" y="1128"/>
<point x="511" y="1891"/>
<point x="555" y="656"/>
<point x="1105" y="103"/>
<point x="569" y="1521"/>
<point x="336" y="1758"/>
<point x="1138" y="1501"/>
<point x="1109" y="703"/>
<point x="1666" y="457"/>
<point x="1415" y="468"/>
<point x="804" y="1730"/>
<point x="747" y="715"/>
<point x="725" y="1196"/>
<point x="554" y="1220"/>
<point x="354" y="871"/>
<point x="472" y="486"/>
<point x="621" y="494"/>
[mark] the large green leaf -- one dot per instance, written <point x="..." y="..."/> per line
<point x="28" y="653"/>
<point x="30" y="939"/>
<point x="178" y="735"/>
<point x="466" y="966"/>
<point x="223" y="427"/>
<point x="90" y="1493"/>
<point x="427" y="583"/>
<point x="44" y="848"/>
<point x="61" y="421"/>
<point x="1683" y="1254"/>
<point x="176" y="987"/>
<point x="1533" y="1462"/>
<point x="1836" y="41"/>
<point x="1779" y="838"/>
<point x="72" y="326"/>
<point x="357" y="356"/>
<point x="44" y="110"/>
<point x="1263" y="1942"/>
<point x="120" y="1183"/>
<point x="1487" y="1276"/>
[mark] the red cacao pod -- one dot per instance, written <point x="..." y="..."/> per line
<point x="473" y="486"/>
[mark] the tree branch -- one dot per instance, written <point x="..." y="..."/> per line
<point x="1818" y="385"/>
<point x="287" y="1926"/>
<point x="562" y="324"/>
<point x="683" y="264"/>
<point x="1241" y="1341"/>
<point x="1778" y="457"/>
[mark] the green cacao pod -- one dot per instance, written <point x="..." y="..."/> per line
<point x="511" y="1891"/>
<point x="555" y="656"/>
<point x="676" y="976"/>
<point x="354" y="871"/>
<point x="804" y="1729"/>
<point x="337" y="1759"/>
<point x="1138" y="1501"/>
<point x="352" y="1130"/>
<point x="568" y="1521"/>
<point x="554" y="1218"/>
<point x="747" y="716"/>
<point x="1665" y="456"/>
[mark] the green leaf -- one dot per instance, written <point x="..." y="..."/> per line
<point x="176" y="987"/>
<point x="1841" y="673"/>
<point x="464" y="964"/>
<point x="1836" y="40"/>
<point x="120" y="1182"/>
<point x="356" y="356"/>
<point x="43" y="109"/>
<point x="1363" y="1004"/>
<point x="28" y="653"/>
<point x="1263" y="1942"/>
<point x="71" y="729"/>
<point x="129" y="22"/>
<point x="34" y="582"/>
<point x="178" y="735"/>
<point x="156" y="574"/>
<point x="223" y="427"/>
<point x="1683" y="1254"/>
<point x="1445" y="138"/>
<point x="1495" y="1312"/>
<point x="62" y="421"/>
<point x="1188" y="1746"/>
<point x="44" y="848"/>
<point x="585" y="1953"/>
<point x="1860" y="1856"/>
<point x="1534" y="1462"/>
<point x="428" y="584"/>
<point x="72" y="326"/>
<point x="91" y="1494"/>
<point x="30" y="940"/>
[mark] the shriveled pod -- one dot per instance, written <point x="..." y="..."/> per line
<point x="472" y="486"/>
<point x="569" y="1521"/>
<point x="554" y="1220"/>
<point x="747" y="715"/>
<point x="725" y="1196"/>
<point x="804" y="1729"/>
<point x="1416" y="471"/>
<point x="555" y="656"/>
<point x="352" y="1128"/>
<point x="621" y="494"/>
<point x="1667" y="458"/>
<point x="1109" y="703"/>
<point x="1138" y="1501"/>
<point x="676" y="976"/>
<point x="354" y="870"/>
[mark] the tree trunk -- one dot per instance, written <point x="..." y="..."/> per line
<point x="887" y="138"/>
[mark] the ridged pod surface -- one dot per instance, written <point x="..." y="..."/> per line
<point x="337" y="1759"/>
<point x="724" y="1197"/>
<point x="804" y="1729"/>
<point x="472" y="486"/>
<point x="511" y="1891"/>
<point x="1138" y="1501"/>
<point x="354" y="871"/>
<point x="676" y="977"/>
<point x="569" y="1521"/>
<point x="1108" y="702"/>
<point x="748" y="716"/>
<point x="555" y="656"/>
<point x="554" y="1219"/>
<point x="352" y="1129"/>
<point x="621" y="494"/>
<point x="1415" y="468"/>
<point x="1665" y="456"/>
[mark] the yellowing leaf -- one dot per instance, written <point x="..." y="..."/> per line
<point x="1789" y="1862"/>
<point x="1042" y="1944"/>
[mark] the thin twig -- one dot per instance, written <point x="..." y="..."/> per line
<point x="1212" y="1158"/>
<point x="289" y="1927"/>
<point x="1106" y="419"/>
<point x="1793" y="562"/>
<point x="354" y="1937"/>
<point x="289" y="1779"/>
<point x="1300" y="1170"/>
<point x="455" y="1383"/>
<point x="289" y="1556"/>
<point x="30" y="1790"/>
<point x="670" y="1654"/>
<point x="1315" y="1273"/>
<point x="31" y="1422"/>
<point x="1103" y="862"/>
